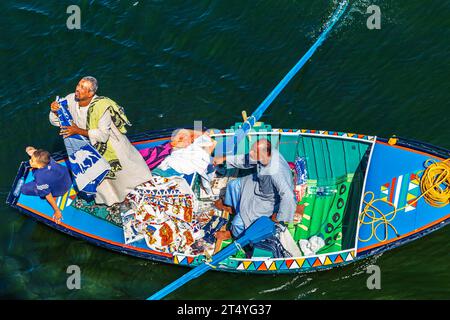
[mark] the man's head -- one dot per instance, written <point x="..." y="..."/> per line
<point x="39" y="159"/>
<point x="261" y="151"/>
<point x="181" y="138"/>
<point x="86" y="89"/>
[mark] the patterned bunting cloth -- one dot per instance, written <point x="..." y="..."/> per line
<point x="166" y="214"/>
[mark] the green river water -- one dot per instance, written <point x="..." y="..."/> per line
<point x="172" y="62"/>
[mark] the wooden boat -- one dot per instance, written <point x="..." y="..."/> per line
<point x="346" y="173"/>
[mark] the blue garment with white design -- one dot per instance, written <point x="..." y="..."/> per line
<point x="53" y="178"/>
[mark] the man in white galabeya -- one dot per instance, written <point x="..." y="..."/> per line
<point x="103" y="121"/>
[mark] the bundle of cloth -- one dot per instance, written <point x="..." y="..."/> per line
<point x="166" y="214"/>
<point x="188" y="152"/>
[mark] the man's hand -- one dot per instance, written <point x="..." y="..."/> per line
<point x="67" y="131"/>
<point x="218" y="160"/>
<point x="54" y="107"/>
<point x="57" y="216"/>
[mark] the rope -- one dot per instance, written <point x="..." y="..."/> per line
<point x="434" y="188"/>
<point x="238" y="246"/>
<point x="435" y="183"/>
<point x="208" y="259"/>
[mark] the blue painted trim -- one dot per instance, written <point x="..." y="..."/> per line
<point x="94" y="241"/>
<point x="401" y="242"/>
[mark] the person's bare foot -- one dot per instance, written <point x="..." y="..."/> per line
<point x="298" y="216"/>
<point x="223" y="235"/>
<point x="300" y="208"/>
<point x="30" y="150"/>
<point x="221" y="206"/>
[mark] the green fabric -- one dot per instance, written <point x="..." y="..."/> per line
<point x="97" y="107"/>
<point x="240" y="254"/>
<point x="165" y="173"/>
<point x="110" y="214"/>
<point x="331" y="163"/>
<point x="323" y="217"/>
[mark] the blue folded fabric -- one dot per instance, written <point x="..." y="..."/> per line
<point x="88" y="167"/>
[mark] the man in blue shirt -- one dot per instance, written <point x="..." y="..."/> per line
<point x="50" y="179"/>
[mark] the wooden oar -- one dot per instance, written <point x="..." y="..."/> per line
<point x="261" y="229"/>
<point x="232" y="141"/>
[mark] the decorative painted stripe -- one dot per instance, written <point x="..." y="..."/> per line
<point x="300" y="262"/>
<point x="332" y="257"/>
<point x="278" y="263"/>
<point x="294" y="265"/>
<point x="258" y="264"/>
<point x="322" y="259"/>
<point x="402" y="191"/>
<point x="327" y="261"/>
<point x="397" y="190"/>
<point x="338" y="259"/>
<point x="310" y="131"/>
<point x="317" y="263"/>
<point x="344" y="256"/>
<point x="251" y="266"/>
<point x="391" y="193"/>
<point x="307" y="131"/>
<point x="306" y="264"/>
<point x="283" y="266"/>
<point x="289" y="262"/>
<point x="274" y="264"/>
<point x="262" y="267"/>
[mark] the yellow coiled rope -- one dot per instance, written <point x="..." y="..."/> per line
<point x="435" y="183"/>
<point x="434" y="188"/>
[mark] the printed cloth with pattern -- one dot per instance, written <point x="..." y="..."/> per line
<point x="165" y="213"/>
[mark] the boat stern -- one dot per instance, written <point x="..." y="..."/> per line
<point x="394" y="210"/>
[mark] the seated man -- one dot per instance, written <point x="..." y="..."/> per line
<point x="50" y="179"/>
<point x="267" y="192"/>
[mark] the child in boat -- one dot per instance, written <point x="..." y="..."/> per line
<point x="50" y="179"/>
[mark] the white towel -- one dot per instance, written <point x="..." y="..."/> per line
<point x="311" y="246"/>
<point x="288" y="243"/>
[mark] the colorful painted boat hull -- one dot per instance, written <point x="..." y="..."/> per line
<point x="390" y="173"/>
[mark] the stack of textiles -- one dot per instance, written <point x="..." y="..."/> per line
<point x="166" y="214"/>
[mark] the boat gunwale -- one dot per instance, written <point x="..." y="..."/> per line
<point x="298" y="132"/>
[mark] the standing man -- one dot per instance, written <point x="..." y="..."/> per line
<point x="269" y="191"/>
<point x="103" y="121"/>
